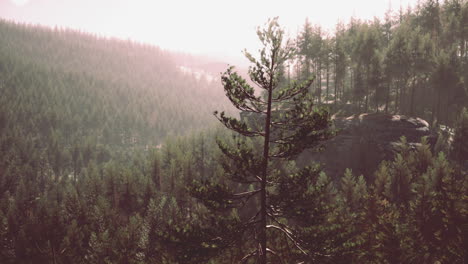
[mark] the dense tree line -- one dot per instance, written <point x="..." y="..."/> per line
<point x="118" y="85"/>
<point x="412" y="62"/>
<point x="142" y="212"/>
<point x="78" y="185"/>
<point x="73" y="105"/>
<point x="411" y="211"/>
<point x="69" y="98"/>
<point x="111" y="213"/>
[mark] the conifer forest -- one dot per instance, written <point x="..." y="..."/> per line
<point x="342" y="146"/>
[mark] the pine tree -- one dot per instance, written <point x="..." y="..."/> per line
<point x="282" y="122"/>
<point x="339" y="61"/>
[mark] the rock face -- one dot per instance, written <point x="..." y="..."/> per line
<point x="363" y="141"/>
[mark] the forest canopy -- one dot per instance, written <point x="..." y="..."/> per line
<point x="109" y="152"/>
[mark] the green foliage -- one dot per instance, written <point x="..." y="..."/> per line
<point x="428" y="226"/>
<point x="182" y="240"/>
<point x="83" y="178"/>
<point x="460" y="142"/>
<point x="283" y="122"/>
<point x="78" y="95"/>
<point x="395" y="65"/>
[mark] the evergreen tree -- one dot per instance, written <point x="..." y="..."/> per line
<point x="339" y="61"/>
<point x="286" y="121"/>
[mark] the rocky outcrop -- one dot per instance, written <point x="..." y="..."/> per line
<point x="364" y="140"/>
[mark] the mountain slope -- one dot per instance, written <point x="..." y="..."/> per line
<point x="93" y="83"/>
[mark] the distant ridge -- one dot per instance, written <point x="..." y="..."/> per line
<point x="131" y="89"/>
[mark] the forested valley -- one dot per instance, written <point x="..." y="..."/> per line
<point x="110" y="153"/>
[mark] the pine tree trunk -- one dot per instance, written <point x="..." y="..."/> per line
<point x="335" y="83"/>
<point x="462" y="49"/>
<point x="377" y="103"/>
<point x="352" y="85"/>
<point x="319" y="83"/>
<point x="328" y="79"/>
<point x="336" y="92"/>
<point x="403" y="100"/>
<point x="397" y="97"/>
<point x="367" y="89"/>
<point x="433" y="111"/>
<point x="438" y="105"/>
<point x="54" y="257"/>
<point x="387" y="99"/>
<point x="412" y="97"/>
<point x="266" y="150"/>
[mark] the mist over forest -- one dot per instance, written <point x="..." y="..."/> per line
<point x="330" y="146"/>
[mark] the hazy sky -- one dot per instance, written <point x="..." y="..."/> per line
<point x="215" y="27"/>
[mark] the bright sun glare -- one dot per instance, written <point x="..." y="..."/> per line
<point x="205" y="27"/>
<point x="20" y="2"/>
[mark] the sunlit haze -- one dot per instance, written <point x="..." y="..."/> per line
<point x="209" y="27"/>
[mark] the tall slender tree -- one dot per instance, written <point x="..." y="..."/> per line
<point x="281" y="122"/>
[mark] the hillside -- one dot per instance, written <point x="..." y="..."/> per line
<point x="78" y="84"/>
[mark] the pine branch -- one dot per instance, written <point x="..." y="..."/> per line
<point x="293" y="91"/>
<point x="237" y="125"/>
<point x="239" y="92"/>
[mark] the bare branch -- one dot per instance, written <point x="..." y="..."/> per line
<point x="246" y="196"/>
<point x="252" y="218"/>
<point x="275" y="254"/>
<point x="248" y="256"/>
<point x="283" y="228"/>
